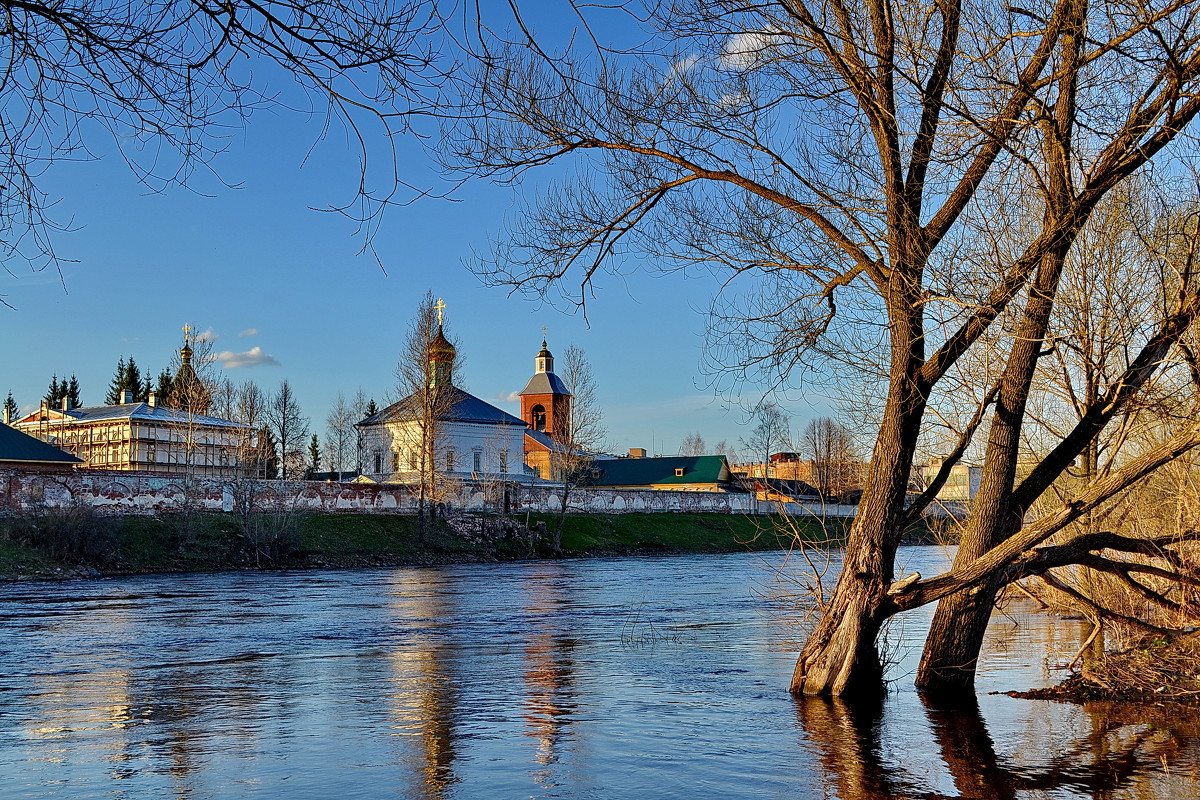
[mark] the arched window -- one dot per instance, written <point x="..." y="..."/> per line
<point x="538" y="413"/>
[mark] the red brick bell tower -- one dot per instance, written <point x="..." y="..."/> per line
<point x="545" y="400"/>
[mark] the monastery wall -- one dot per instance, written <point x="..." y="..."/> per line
<point x="143" y="493"/>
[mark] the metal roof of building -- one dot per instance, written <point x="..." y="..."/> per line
<point x="142" y="412"/>
<point x="659" y="471"/>
<point x="18" y="446"/>
<point x="464" y="407"/>
<point x="545" y="383"/>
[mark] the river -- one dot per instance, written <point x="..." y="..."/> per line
<point x="604" y="678"/>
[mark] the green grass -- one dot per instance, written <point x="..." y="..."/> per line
<point x="688" y="533"/>
<point x="17" y="559"/>
<point x="208" y="542"/>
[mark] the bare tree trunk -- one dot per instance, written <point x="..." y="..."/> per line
<point x="841" y="655"/>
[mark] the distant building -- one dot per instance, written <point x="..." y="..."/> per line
<point x="962" y="484"/>
<point x="782" y="490"/>
<point x="677" y="473"/>
<point x="546" y="412"/>
<point x="474" y="438"/>
<point x="23" y="451"/>
<point x="785" y="466"/>
<point x="142" y="437"/>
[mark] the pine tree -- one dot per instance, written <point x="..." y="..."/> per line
<point x="118" y="383"/>
<point x="314" y="455"/>
<point x="133" y="382"/>
<point x="53" y="395"/>
<point x="165" y="385"/>
<point x="11" y="407"/>
<point x="371" y="409"/>
<point x="72" y="391"/>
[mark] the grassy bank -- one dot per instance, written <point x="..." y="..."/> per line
<point x="78" y="542"/>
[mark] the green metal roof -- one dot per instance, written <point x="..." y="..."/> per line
<point x="17" y="446"/>
<point x="659" y="471"/>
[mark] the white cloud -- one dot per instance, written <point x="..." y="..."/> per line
<point x="684" y="65"/>
<point x="510" y="397"/>
<point x="248" y="332"/>
<point x="732" y="101"/>
<point x="743" y="50"/>
<point x="254" y="357"/>
<point x="206" y="336"/>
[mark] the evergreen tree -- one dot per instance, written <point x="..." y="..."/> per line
<point x="165" y="385"/>
<point x="118" y="383"/>
<point x="128" y="378"/>
<point x="314" y="454"/>
<point x="147" y="386"/>
<point x="371" y="409"/>
<point x="133" y="382"/>
<point x="72" y="391"/>
<point x="11" y="407"/>
<point x="53" y="395"/>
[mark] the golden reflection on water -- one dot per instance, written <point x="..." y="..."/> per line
<point x="549" y="671"/>
<point x="424" y="697"/>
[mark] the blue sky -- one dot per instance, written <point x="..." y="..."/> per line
<point x="283" y="286"/>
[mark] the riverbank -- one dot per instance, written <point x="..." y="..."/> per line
<point x="81" y="544"/>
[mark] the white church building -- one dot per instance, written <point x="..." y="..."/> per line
<point x="472" y="439"/>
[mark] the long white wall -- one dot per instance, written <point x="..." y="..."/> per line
<point x="142" y="493"/>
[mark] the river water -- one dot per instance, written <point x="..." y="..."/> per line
<point x="606" y="678"/>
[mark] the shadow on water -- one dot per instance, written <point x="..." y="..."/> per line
<point x="1127" y="751"/>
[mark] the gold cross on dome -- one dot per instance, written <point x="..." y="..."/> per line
<point x="544" y="329"/>
<point x="440" y="305"/>
<point x="187" y="333"/>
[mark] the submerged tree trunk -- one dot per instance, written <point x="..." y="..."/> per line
<point x="841" y="656"/>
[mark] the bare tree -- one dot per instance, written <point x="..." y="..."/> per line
<point x="772" y="432"/>
<point x="576" y="443"/>
<point x="290" y="427"/>
<point x="163" y="80"/>
<point x="831" y="449"/>
<point x="896" y="180"/>
<point x="360" y="408"/>
<point x="425" y="377"/>
<point x="723" y="448"/>
<point x="693" y="445"/>
<point x="340" y="435"/>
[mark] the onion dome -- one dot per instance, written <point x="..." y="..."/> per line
<point x="440" y="348"/>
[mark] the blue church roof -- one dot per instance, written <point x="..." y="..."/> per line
<point x="464" y="407"/>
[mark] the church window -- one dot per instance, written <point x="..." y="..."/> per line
<point x="539" y="417"/>
<point x="412" y="460"/>
<point x="395" y="461"/>
<point x="378" y="461"/>
<point x="503" y="461"/>
<point x="450" y="460"/>
<point x="477" y="461"/>
<point x="151" y="452"/>
<point x="679" y="472"/>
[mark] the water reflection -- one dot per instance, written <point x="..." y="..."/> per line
<point x="616" y="679"/>
<point x="1118" y="757"/>
<point x="549" y="671"/>
<point x="424" y="695"/>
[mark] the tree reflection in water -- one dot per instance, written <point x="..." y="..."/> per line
<point x="1127" y="753"/>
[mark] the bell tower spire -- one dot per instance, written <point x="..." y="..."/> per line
<point x="545" y="401"/>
